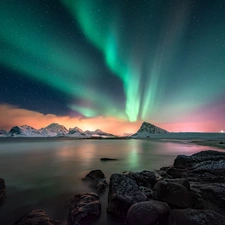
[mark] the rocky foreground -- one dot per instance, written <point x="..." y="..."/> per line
<point x="191" y="192"/>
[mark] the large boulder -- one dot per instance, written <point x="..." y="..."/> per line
<point x="176" y="195"/>
<point x="148" y="213"/>
<point x="35" y="217"/>
<point x="209" y="196"/>
<point x="195" y="217"/>
<point x="183" y="181"/>
<point x="184" y="161"/>
<point x="2" y="191"/>
<point x="85" y="208"/>
<point x="97" y="180"/>
<point x="123" y="192"/>
<point x="145" y="178"/>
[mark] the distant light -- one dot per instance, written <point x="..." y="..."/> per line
<point x="221" y="131"/>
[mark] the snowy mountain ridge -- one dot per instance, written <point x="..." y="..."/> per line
<point x="53" y="130"/>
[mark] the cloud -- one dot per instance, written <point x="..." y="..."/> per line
<point x="13" y="116"/>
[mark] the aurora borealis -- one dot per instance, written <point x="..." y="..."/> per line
<point x="96" y="62"/>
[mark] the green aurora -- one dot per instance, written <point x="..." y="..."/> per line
<point x="153" y="59"/>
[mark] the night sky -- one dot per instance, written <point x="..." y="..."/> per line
<point x="112" y="64"/>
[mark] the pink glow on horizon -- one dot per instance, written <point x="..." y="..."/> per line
<point x="11" y="116"/>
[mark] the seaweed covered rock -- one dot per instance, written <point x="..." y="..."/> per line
<point x="123" y="192"/>
<point x="85" y="208"/>
<point x="36" y="217"/>
<point x="176" y="195"/>
<point x="195" y="217"/>
<point x="148" y="213"/>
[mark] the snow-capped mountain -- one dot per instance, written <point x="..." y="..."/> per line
<point x="54" y="129"/>
<point x="147" y="129"/>
<point x="2" y="131"/>
<point x="98" y="133"/>
<point x="76" y="132"/>
<point x="20" y="131"/>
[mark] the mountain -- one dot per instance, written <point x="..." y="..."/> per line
<point x="147" y="129"/>
<point x="76" y="132"/>
<point x="98" y="133"/>
<point x="2" y="131"/>
<point x="54" y="129"/>
<point x="20" y="131"/>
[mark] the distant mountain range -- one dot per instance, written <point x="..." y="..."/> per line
<point x="57" y="130"/>
<point x="53" y="130"/>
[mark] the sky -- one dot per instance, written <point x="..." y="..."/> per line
<point x="113" y="64"/>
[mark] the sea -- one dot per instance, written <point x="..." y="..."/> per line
<point x="45" y="173"/>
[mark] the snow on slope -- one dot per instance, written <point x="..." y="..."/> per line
<point x="21" y="131"/>
<point x="76" y="132"/>
<point x="54" y="129"/>
<point x="98" y="133"/>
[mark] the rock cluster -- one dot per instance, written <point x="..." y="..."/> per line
<point x="191" y="192"/>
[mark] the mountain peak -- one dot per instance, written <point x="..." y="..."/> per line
<point x="147" y="129"/>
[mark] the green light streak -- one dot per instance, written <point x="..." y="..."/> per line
<point x="43" y="54"/>
<point x="101" y="29"/>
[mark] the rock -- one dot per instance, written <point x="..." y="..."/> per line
<point x="2" y="191"/>
<point x="195" y="217"/>
<point x="35" y="217"/>
<point x="183" y="181"/>
<point x="123" y="192"/>
<point x="147" y="191"/>
<point x="176" y="195"/>
<point x="85" y="208"/>
<point x="144" y="178"/>
<point x="221" y="143"/>
<point x="97" y="180"/>
<point x="205" y="172"/>
<point x="177" y="173"/>
<point x="188" y="161"/>
<point x="209" y="196"/>
<point x="148" y="213"/>
<point x="95" y="175"/>
<point x="108" y="159"/>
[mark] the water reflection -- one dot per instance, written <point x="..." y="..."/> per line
<point x="45" y="174"/>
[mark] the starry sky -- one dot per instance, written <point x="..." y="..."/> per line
<point x="112" y="64"/>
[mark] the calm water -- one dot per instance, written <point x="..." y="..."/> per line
<point x="46" y="173"/>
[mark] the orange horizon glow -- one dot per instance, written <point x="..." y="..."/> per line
<point x="13" y="116"/>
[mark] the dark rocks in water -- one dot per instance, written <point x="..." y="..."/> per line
<point x="195" y="217"/>
<point x="148" y="213"/>
<point x="144" y="178"/>
<point x="2" y="191"/>
<point x="123" y="192"/>
<point x="85" y="208"/>
<point x="36" y="217"/>
<point x="95" y="175"/>
<point x="108" y="159"/>
<point x="221" y="143"/>
<point x="176" y="195"/>
<point x="97" y="180"/>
